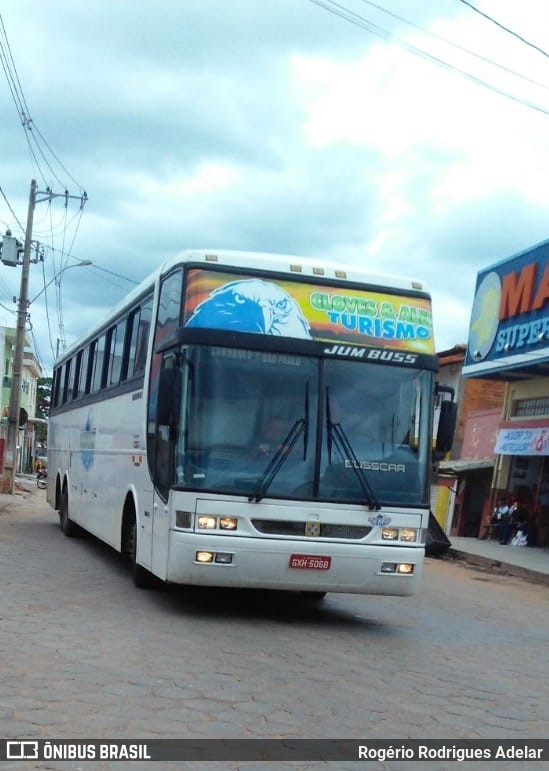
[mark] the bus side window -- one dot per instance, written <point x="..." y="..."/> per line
<point x="66" y="381"/>
<point x="113" y="353"/>
<point x="76" y="379"/>
<point x="97" y="372"/>
<point x="137" y="337"/>
<point x="83" y="389"/>
<point x="56" y="387"/>
<point x="142" y="344"/>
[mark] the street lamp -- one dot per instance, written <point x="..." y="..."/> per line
<point x="82" y="264"/>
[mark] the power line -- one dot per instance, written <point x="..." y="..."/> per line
<point x="8" y="204"/>
<point x="457" y="46"/>
<point x="10" y="70"/>
<point x="34" y="126"/>
<point x="359" y="21"/>
<point x="39" y="149"/>
<point x="48" y="321"/>
<point x="18" y="96"/>
<point x="506" y="29"/>
<point x="116" y="275"/>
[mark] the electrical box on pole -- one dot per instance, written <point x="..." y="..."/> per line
<point x="11" y="249"/>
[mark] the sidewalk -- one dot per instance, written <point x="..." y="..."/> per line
<point x="527" y="562"/>
<point x="25" y="485"/>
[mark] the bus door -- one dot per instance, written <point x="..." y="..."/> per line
<point x="171" y="395"/>
<point x="157" y="528"/>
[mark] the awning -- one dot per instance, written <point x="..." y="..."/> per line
<point x="466" y="464"/>
<point x="522" y="441"/>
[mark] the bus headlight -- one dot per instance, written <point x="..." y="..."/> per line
<point x="207" y="523"/>
<point x="204" y="556"/>
<point x="227" y="523"/>
<point x="408" y="534"/>
<point x="405" y="568"/>
<point x="209" y="557"/>
<point x="210" y="522"/>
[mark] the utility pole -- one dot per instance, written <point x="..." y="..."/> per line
<point x="7" y="476"/>
<point x="10" y="463"/>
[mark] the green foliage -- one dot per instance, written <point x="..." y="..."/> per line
<point x="43" y="401"/>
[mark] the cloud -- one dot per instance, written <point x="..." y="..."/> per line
<point x="271" y="126"/>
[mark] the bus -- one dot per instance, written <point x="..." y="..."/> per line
<point x="254" y="420"/>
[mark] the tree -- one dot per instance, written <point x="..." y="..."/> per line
<point x="43" y="402"/>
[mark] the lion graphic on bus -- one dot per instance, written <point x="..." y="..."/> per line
<point x="252" y="305"/>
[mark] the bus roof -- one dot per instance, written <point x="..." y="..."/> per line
<point x="293" y="265"/>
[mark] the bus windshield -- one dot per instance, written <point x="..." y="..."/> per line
<point x="298" y="427"/>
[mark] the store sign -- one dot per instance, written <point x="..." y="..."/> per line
<point x="510" y="315"/>
<point x="522" y="441"/>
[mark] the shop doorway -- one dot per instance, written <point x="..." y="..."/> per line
<point x="476" y="497"/>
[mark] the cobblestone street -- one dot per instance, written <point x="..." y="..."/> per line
<point x="85" y="655"/>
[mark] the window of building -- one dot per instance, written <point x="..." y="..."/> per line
<point x="528" y="408"/>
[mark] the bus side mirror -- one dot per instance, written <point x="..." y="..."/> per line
<point x="167" y="409"/>
<point x="446" y="427"/>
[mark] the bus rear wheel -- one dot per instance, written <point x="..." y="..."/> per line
<point x="140" y="575"/>
<point x="68" y="527"/>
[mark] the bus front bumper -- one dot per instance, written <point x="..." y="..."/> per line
<point x="294" y="565"/>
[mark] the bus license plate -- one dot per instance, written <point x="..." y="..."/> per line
<point x="310" y="562"/>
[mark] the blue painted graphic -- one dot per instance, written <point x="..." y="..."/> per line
<point x="252" y="305"/>
<point x="87" y="443"/>
<point x="379" y="521"/>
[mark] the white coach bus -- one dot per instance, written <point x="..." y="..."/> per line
<point x="254" y="420"/>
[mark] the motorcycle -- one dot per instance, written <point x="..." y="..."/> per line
<point x="42" y="478"/>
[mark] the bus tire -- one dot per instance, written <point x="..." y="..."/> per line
<point x="68" y="527"/>
<point x="141" y="577"/>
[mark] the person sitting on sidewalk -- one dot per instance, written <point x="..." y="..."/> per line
<point x="516" y="519"/>
<point x="521" y="518"/>
<point x="501" y="513"/>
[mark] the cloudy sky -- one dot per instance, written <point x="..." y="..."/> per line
<point x="408" y="136"/>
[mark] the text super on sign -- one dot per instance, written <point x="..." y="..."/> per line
<point x="310" y="562"/>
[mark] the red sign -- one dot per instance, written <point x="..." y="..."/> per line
<point x="310" y="562"/>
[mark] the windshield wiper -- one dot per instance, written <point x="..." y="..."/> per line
<point x="337" y="436"/>
<point x="301" y="426"/>
<point x="283" y="450"/>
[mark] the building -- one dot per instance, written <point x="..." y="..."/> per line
<point x="509" y="343"/>
<point x="30" y="374"/>
<point x="462" y="493"/>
